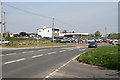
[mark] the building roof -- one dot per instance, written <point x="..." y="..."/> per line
<point x="76" y="33"/>
<point x="44" y="27"/>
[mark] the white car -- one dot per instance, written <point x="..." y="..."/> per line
<point x="4" y="41"/>
<point x="115" y="42"/>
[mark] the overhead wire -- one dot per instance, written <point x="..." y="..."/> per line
<point x="29" y="12"/>
<point x="32" y="13"/>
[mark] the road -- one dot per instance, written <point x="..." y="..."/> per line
<point x="37" y="62"/>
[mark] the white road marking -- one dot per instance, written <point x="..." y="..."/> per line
<point x="82" y="49"/>
<point x="37" y="56"/>
<point x="30" y="51"/>
<point x="1" y="55"/>
<point x="40" y="50"/>
<point x="63" y="66"/>
<point x="57" y="69"/>
<point x="11" y="54"/>
<point x="51" y="53"/>
<point x="14" y="61"/>
<point x="24" y="52"/>
<point x="63" y="51"/>
<point x="70" y="49"/>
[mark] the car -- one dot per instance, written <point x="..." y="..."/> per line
<point x="115" y="42"/>
<point x="92" y="45"/>
<point x="4" y="41"/>
<point x="60" y="40"/>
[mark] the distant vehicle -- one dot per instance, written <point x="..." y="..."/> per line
<point x="115" y="42"/>
<point x="90" y="40"/>
<point x="24" y="34"/>
<point x="4" y="41"/>
<point x="63" y="40"/>
<point x="92" y="45"/>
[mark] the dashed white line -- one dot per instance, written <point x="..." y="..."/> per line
<point x="37" y="56"/>
<point x="14" y="61"/>
<point x="30" y="51"/>
<point x="40" y="50"/>
<point x="51" y="53"/>
<point x="24" y="52"/>
<point x="11" y="54"/>
<point x="1" y="55"/>
<point x="82" y="49"/>
<point x="63" y="51"/>
<point x="70" y="49"/>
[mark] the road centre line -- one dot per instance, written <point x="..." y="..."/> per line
<point x="11" y="54"/>
<point x="14" y="61"/>
<point x="62" y="51"/>
<point x="51" y="53"/>
<point x="24" y="52"/>
<point x="43" y="50"/>
<point x="63" y="65"/>
<point x="82" y="49"/>
<point x="37" y="56"/>
<point x="1" y="55"/>
<point x="30" y="51"/>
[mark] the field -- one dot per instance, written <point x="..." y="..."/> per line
<point x="31" y="42"/>
<point x="107" y="56"/>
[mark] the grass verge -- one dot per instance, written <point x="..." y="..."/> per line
<point x="30" y="42"/>
<point x="106" y="56"/>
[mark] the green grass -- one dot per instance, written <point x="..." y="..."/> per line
<point x="107" y="56"/>
<point x="30" y="42"/>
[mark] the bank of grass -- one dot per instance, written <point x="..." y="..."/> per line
<point x="107" y="56"/>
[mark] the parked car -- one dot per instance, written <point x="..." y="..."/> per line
<point x="115" y="42"/>
<point x="4" y="41"/>
<point x="92" y="45"/>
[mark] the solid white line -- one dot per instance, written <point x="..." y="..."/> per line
<point x="51" y="53"/>
<point x="58" y="69"/>
<point x="14" y="61"/>
<point x="63" y="65"/>
<point x="37" y="56"/>
<point x="63" y="51"/>
<point x="11" y="54"/>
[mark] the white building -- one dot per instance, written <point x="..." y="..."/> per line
<point x="48" y="32"/>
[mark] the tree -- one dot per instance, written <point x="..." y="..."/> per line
<point x="97" y="34"/>
<point x="114" y="36"/>
<point x="73" y="32"/>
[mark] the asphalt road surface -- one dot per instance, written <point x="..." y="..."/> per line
<point x="39" y="62"/>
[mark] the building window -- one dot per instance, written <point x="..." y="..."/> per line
<point x="39" y="31"/>
<point x="48" y="31"/>
<point x="43" y="29"/>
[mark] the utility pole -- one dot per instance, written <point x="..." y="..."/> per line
<point x="105" y="31"/>
<point x="53" y="30"/>
<point x="1" y="22"/>
<point x="1" y="38"/>
<point x="4" y="23"/>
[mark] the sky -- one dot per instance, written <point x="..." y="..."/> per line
<point x="86" y="17"/>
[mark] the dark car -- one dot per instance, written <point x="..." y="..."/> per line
<point x="92" y="45"/>
<point x="23" y="34"/>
